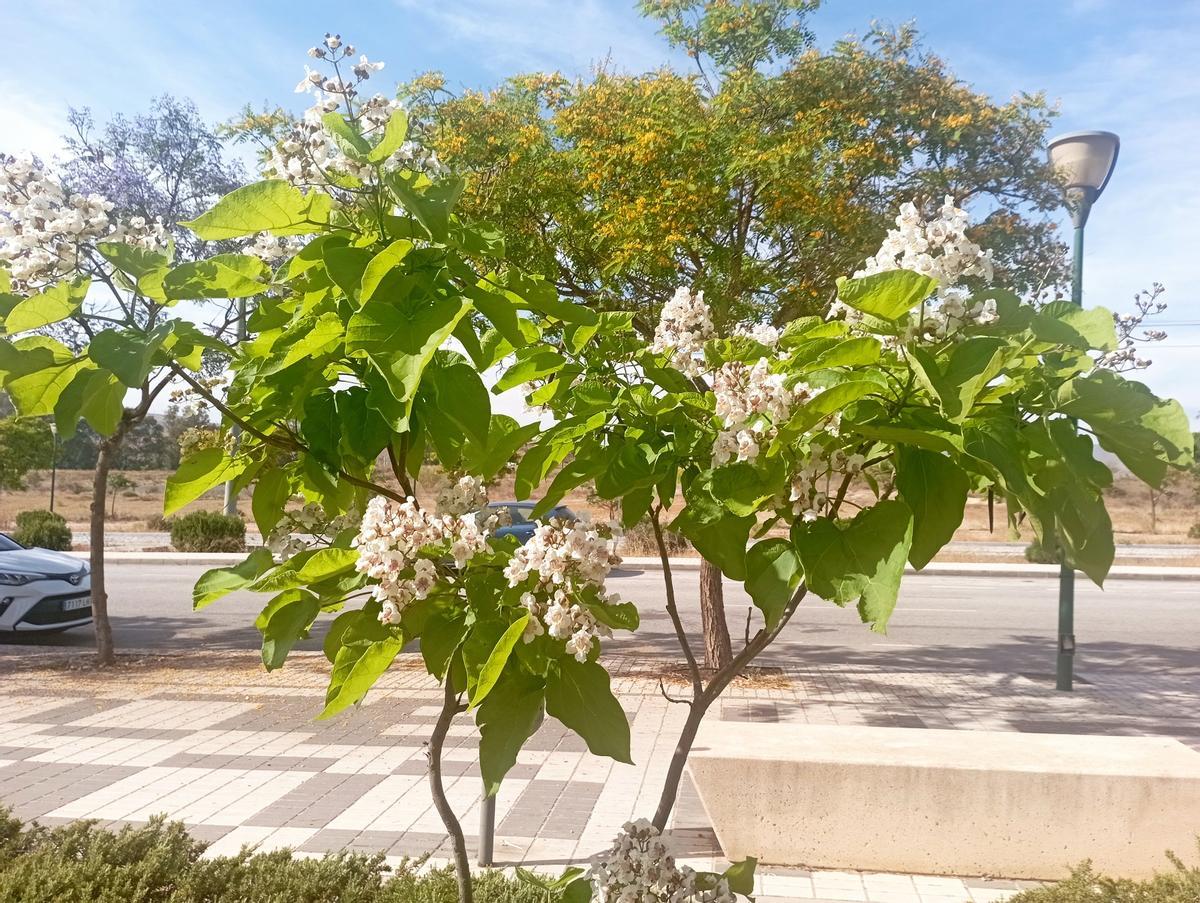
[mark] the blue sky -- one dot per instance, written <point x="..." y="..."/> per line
<point x="1110" y="64"/>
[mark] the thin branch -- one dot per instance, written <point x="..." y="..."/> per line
<point x="672" y="608"/>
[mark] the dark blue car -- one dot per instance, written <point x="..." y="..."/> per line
<point x="521" y="525"/>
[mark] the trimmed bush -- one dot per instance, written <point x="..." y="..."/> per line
<point x="208" y="531"/>
<point x="1194" y="532"/>
<point x="161" y="863"/>
<point x="1181" y="885"/>
<point x="43" y="529"/>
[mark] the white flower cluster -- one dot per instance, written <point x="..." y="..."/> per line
<point x="638" y="869"/>
<point x="150" y="235"/>
<point x="938" y="247"/>
<point x="461" y="496"/>
<point x="308" y="528"/>
<point x="763" y="333"/>
<point x="311" y="155"/>
<point x="952" y="310"/>
<point x="42" y="226"/>
<point x="271" y="249"/>
<point x="809" y="500"/>
<point x="564" y="560"/>
<point x="400" y="544"/>
<point x="752" y="402"/>
<point x="684" y="325"/>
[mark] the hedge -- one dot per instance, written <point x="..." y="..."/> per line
<point x="1181" y="884"/>
<point x="43" y="530"/>
<point x="160" y="863"/>
<point x="208" y="531"/>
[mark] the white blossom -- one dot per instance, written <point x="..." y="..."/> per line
<point x="399" y="546"/>
<point x="564" y="564"/>
<point x="461" y="496"/>
<point x="43" y="228"/>
<point x="310" y="154"/>
<point x="938" y="248"/>
<point x="637" y="868"/>
<point x="752" y="403"/>
<point x="763" y="333"/>
<point x="684" y="325"/>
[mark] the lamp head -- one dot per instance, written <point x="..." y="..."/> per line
<point x="1086" y="161"/>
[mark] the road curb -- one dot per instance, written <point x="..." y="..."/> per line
<point x="948" y="569"/>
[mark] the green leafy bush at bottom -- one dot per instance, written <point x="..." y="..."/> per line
<point x="161" y="863"/>
<point x="43" y="530"/>
<point x="1035" y="553"/>
<point x="208" y="531"/>
<point x="1181" y="885"/>
<point x="1194" y="532"/>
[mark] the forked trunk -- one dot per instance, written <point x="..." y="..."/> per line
<point x="462" y="864"/>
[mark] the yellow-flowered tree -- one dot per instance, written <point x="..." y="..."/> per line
<point x="758" y="176"/>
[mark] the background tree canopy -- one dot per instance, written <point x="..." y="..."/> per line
<point x="759" y="177"/>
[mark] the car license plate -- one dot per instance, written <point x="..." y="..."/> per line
<point x="77" y="603"/>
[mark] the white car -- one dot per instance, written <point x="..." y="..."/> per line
<point x="41" y="589"/>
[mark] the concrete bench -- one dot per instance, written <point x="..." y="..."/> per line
<point x="947" y="802"/>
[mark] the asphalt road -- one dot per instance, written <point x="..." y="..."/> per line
<point x="1006" y="624"/>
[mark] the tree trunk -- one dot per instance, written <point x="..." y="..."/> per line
<point x="104" y="639"/>
<point x="462" y="864"/>
<point x="718" y="650"/>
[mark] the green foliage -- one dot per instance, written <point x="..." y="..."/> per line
<point x="1194" y="531"/>
<point x="1180" y="884"/>
<point x="160" y="863"/>
<point x="24" y="446"/>
<point x="208" y="531"/>
<point x="367" y="355"/>
<point x="43" y="530"/>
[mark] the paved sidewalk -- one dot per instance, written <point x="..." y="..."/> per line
<point x="212" y="740"/>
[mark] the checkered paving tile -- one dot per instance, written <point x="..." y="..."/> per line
<point x="241" y="760"/>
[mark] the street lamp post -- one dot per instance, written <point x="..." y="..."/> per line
<point x="230" y="505"/>
<point x="53" y="461"/>
<point x="1085" y="161"/>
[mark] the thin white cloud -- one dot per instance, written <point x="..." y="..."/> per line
<point x="507" y="37"/>
<point x="1142" y="85"/>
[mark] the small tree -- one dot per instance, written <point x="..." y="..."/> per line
<point x="25" y="445"/>
<point x="925" y="387"/>
<point x="85" y="298"/>
<point x="758" y="177"/>
<point x="118" y="483"/>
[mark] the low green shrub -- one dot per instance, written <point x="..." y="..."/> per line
<point x="1194" y="532"/>
<point x="160" y="863"/>
<point x="1037" y="555"/>
<point x="208" y="531"/>
<point x="1180" y="885"/>
<point x="43" y="529"/>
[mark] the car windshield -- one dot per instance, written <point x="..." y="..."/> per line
<point x="7" y="545"/>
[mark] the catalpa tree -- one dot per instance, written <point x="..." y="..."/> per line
<point x="813" y="459"/>
<point x="367" y="341"/>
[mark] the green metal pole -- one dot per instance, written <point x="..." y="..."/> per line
<point x="230" y="506"/>
<point x="1066" y="577"/>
